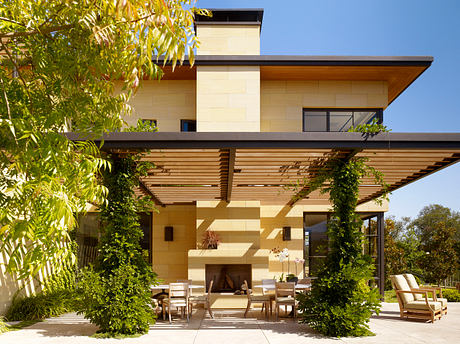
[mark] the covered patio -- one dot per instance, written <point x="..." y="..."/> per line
<point x="220" y="174"/>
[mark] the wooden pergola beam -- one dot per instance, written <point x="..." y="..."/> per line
<point x="300" y="194"/>
<point x="150" y="193"/>
<point x="231" y="169"/>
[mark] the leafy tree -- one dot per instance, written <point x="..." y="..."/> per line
<point x="440" y="260"/>
<point x="427" y="223"/>
<point x="395" y="260"/>
<point x="60" y="62"/>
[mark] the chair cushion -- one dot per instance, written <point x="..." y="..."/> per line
<point x="198" y="298"/>
<point x="441" y="300"/>
<point x="401" y="284"/>
<point x="413" y="285"/>
<point x="175" y="302"/>
<point x="421" y="305"/>
<point x="285" y="299"/>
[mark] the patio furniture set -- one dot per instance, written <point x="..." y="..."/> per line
<point x="180" y="298"/>
<point x="414" y="300"/>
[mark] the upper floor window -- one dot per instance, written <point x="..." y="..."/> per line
<point x="338" y="119"/>
<point x="187" y="125"/>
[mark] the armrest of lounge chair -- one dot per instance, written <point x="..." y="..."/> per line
<point x="415" y="291"/>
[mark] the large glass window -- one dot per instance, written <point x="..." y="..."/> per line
<point x="338" y="119"/>
<point x="187" y="125"/>
<point x="88" y="234"/>
<point x="316" y="241"/>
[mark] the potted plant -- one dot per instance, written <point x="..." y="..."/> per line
<point x="210" y="240"/>
<point x="292" y="278"/>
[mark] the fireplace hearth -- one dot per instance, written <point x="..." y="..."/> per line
<point x="228" y="278"/>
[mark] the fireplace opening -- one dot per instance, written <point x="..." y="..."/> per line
<point x="228" y="278"/>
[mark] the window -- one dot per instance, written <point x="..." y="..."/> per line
<point x="338" y="119"/>
<point x="316" y="242"/>
<point x="88" y="234"/>
<point x="187" y="125"/>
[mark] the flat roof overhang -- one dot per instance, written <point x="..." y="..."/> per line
<point x="398" y="71"/>
<point x="240" y="166"/>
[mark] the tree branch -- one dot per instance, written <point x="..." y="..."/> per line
<point x="34" y="32"/>
<point x="11" y="21"/>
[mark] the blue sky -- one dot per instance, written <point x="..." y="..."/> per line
<point x="377" y="27"/>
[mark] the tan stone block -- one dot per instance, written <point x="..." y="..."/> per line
<point x="327" y="86"/>
<point x="216" y="101"/>
<point x="377" y="100"/>
<point x="211" y="87"/>
<point x="319" y="100"/>
<point x="367" y="87"/>
<point x="351" y="100"/>
<point x="302" y="87"/>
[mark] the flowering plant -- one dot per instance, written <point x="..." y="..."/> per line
<point x="298" y="261"/>
<point x="210" y="240"/>
<point x="282" y="256"/>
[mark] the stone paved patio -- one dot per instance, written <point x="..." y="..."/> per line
<point x="229" y="326"/>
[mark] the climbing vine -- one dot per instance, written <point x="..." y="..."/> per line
<point x="341" y="301"/>
<point x="116" y="293"/>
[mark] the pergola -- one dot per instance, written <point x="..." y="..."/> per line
<point x="194" y="166"/>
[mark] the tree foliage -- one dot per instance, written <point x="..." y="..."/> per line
<point x="60" y="64"/>
<point x="341" y="302"/>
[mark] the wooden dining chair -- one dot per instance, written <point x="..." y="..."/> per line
<point x="178" y="298"/>
<point x="285" y="295"/>
<point x="263" y="299"/>
<point x="205" y="300"/>
<point x="189" y="282"/>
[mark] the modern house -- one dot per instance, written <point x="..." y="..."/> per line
<point x="238" y="129"/>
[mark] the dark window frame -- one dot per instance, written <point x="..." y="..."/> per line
<point x="184" y="121"/>
<point x="378" y="115"/>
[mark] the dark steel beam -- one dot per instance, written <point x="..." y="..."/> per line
<point x="231" y="169"/>
<point x="150" y="193"/>
<point x="306" y="60"/>
<point x="261" y="140"/>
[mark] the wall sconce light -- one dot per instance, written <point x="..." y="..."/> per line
<point x="286" y="233"/>
<point x="169" y="233"/>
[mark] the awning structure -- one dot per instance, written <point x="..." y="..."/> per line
<point x="264" y="166"/>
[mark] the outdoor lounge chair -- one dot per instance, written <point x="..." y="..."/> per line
<point x="414" y="285"/>
<point x="409" y="307"/>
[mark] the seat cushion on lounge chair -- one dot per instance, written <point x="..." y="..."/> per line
<point x="422" y="306"/>
<point x="401" y="284"/>
<point x="441" y="300"/>
<point x="413" y="285"/>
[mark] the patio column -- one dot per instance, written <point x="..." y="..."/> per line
<point x="381" y="253"/>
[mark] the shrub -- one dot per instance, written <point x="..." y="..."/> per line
<point x="41" y="306"/>
<point x="452" y="295"/>
<point x="3" y="326"/>
<point x="118" y="303"/>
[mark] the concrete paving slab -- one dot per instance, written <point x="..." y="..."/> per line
<point x="229" y="326"/>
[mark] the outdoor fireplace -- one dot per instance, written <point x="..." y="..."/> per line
<point x="228" y="278"/>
